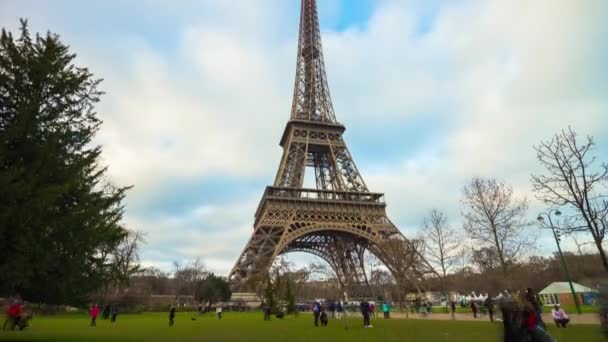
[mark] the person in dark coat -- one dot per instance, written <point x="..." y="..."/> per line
<point x="106" y="312"/>
<point x="365" y="311"/>
<point x="474" y="308"/>
<point x="489" y="304"/>
<point x="172" y="316"/>
<point x="453" y="309"/>
<point x="266" y="309"/>
<point x="316" y="311"/>
<point x="324" y="319"/>
<point x="113" y="313"/>
<point x="332" y="309"/>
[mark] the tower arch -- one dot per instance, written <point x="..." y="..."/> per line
<point x="340" y="219"/>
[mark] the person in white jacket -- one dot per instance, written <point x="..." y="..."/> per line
<point x="560" y="317"/>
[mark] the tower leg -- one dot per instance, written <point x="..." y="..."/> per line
<point x="255" y="260"/>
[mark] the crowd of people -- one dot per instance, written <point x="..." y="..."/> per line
<point x="337" y="311"/>
<point x="110" y="311"/>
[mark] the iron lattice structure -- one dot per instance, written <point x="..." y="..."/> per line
<point x="340" y="219"/>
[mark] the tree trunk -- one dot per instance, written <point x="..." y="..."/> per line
<point x="600" y="249"/>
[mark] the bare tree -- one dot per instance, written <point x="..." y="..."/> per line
<point x="317" y="273"/>
<point x="485" y="259"/>
<point x="125" y="258"/>
<point x="406" y="263"/>
<point x="323" y="269"/>
<point x="496" y="220"/>
<point x="381" y="281"/>
<point x="442" y="242"/>
<point x="574" y="179"/>
<point x="186" y="277"/>
<point x="580" y="245"/>
<point x="279" y="275"/>
<point x="463" y="257"/>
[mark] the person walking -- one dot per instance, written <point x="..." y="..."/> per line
<point x="365" y="311"/>
<point x="560" y="317"/>
<point x="218" y="312"/>
<point x="489" y="304"/>
<point x="474" y="308"/>
<point x="105" y="314"/>
<point x="372" y="310"/>
<point x="332" y="309"/>
<point x="172" y="316"/>
<point x="339" y="310"/>
<point x="386" y="310"/>
<point x="266" y="309"/>
<point x="316" y="311"/>
<point x="453" y="309"/>
<point x="113" y="313"/>
<point x="94" y="314"/>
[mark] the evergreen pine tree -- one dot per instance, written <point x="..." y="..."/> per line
<point x="290" y="298"/>
<point x="59" y="219"/>
<point x="269" y="297"/>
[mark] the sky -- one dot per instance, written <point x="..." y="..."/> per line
<point x="432" y="93"/>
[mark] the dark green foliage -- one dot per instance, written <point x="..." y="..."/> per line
<point x="269" y="297"/>
<point x="290" y="298"/>
<point x="59" y="220"/>
<point x="212" y="289"/>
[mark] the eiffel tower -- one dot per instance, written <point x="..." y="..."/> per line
<point x="338" y="220"/>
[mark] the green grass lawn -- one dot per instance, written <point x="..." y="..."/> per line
<point x="250" y="327"/>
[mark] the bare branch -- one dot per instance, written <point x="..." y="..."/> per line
<point x="441" y="241"/>
<point x="573" y="179"/>
<point x="496" y="221"/>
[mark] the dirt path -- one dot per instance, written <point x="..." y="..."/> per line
<point x="574" y="318"/>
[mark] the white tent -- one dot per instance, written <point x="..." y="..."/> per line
<point x="560" y="292"/>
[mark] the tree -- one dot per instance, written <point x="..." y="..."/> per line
<point x="404" y="260"/>
<point x="290" y="298"/>
<point x="441" y="241"/>
<point x="269" y="296"/>
<point x="125" y="258"/>
<point x="485" y="259"/>
<point x="580" y="245"/>
<point x="212" y="289"/>
<point x="381" y="281"/>
<point x="496" y="221"/>
<point x="187" y="277"/>
<point x="573" y="179"/>
<point x="59" y="218"/>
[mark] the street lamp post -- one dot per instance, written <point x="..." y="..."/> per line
<point x="541" y="220"/>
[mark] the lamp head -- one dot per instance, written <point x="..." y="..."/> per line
<point x="540" y="219"/>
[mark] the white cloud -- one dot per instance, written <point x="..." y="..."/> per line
<point x="501" y="75"/>
<point x="504" y="75"/>
<point x="214" y="232"/>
